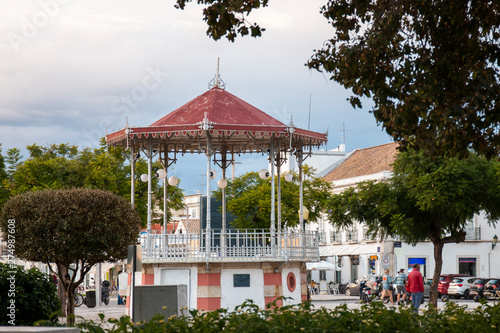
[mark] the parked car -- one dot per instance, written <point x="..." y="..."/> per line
<point x="476" y="289"/>
<point x="460" y="287"/>
<point x="444" y="282"/>
<point x="372" y="281"/>
<point x="427" y="287"/>
<point x="491" y="288"/>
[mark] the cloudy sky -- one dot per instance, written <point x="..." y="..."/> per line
<point x="72" y="70"/>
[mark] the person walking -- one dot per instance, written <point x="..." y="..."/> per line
<point x="416" y="285"/>
<point x="120" y="298"/>
<point x="386" y="286"/>
<point x="400" y="285"/>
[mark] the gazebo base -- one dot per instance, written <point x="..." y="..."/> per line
<point x="226" y="285"/>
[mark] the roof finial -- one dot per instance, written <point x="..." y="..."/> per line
<point x="217" y="80"/>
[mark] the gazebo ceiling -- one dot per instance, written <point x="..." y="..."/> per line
<point x="233" y="126"/>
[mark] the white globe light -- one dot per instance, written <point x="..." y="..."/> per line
<point x="213" y="174"/>
<point x="264" y="174"/>
<point x="144" y="178"/>
<point x="288" y="177"/>
<point x="173" y="181"/>
<point x="222" y="183"/>
<point x="161" y="174"/>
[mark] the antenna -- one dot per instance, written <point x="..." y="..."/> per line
<point x="343" y="130"/>
<point x="203" y="184"/>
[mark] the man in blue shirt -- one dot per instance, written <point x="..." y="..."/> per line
<point x="400" y="284"/>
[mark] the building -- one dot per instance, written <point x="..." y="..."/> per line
<point x="358" y="255"/>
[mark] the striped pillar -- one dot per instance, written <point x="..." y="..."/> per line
<point x="209" y="291"/>
<point x="273" y="288"/>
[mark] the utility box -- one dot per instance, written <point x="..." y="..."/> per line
<point x="150" y="300"/>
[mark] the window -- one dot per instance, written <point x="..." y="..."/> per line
<point x="420" y="261"/>
<point x="322" y="275"/>
<point x="467" y="266"/>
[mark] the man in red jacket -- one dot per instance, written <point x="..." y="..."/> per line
<point x="416" y="285"/>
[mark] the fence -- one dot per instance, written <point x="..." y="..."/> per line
<point x="231" y="246"/>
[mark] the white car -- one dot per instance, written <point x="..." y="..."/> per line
<point x="460" y="286"/>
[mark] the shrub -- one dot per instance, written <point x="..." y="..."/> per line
<point x="26" y="296"/>
<point x="373" y="317"/>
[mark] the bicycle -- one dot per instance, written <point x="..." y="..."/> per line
<point x="79" y="300"/>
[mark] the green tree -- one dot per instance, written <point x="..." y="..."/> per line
<point x="249" y="199"/>
<point x="431" y="67"/>
<point x="13" y="159"/>
<point x="426" y="199"/>
<point x="64" y="166"/>
<point x="26" y="296"/>
<point x="4" y="192"/>
<point x="227" y="17"/>
<point x="74" y="229"/>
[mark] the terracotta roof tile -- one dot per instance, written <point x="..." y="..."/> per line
<point x="365" y="162"/>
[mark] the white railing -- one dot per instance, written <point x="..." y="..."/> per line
<point x="233" y="246"/>
<point x="473" y="233"/>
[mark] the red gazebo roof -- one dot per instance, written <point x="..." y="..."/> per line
<point x="221" y="108"/>
<point x="225" y="118"/>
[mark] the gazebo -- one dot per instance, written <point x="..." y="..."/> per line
<point x="222" y="126"/>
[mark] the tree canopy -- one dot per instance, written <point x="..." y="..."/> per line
<point x="431" y="67"/>
<point x="4" y="193"/>
<point x="426" y="199"/>
<point x="64" y="166"/>
<point x="74" y="228"/>
<point x="249" y="199"/>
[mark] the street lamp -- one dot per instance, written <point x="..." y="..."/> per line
<point x="173" y="181"/>
<point x="264" y="174"/>
<point x="494" y="243"/>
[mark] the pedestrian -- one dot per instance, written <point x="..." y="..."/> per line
<point x="416" y="284"/>
<point x="400" y="285"/>
<point x="120" y="299"/>
<point x="386" y="286"/>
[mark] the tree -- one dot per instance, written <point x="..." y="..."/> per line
<point x="431" y="67"/>
<point x="37" y="301"/>
<point x="13" y="159"/>
<point x="227" y="17"/>
<point x="64" y="166"/>
<point x="426" y="199"/>
<point x="4" y="193"/>
<point x="74" y="229"/>
<point x="249" y="199"/>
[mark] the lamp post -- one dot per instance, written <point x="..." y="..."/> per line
<point x="222" y="184"/>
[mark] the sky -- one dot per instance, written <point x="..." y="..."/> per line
<point x="70" y="71"/>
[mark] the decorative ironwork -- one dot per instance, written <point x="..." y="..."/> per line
<point x="217" y="80"/>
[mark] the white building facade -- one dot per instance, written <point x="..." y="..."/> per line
<point x="359" y="255"/>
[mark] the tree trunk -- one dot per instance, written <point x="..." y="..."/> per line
<point x="66" y="283"/>
<point x="438" y="259"/>
<point x="70" y="307"/>
<point x="61" y="288"/>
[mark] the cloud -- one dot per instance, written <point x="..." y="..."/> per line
<point x="85" y="69"/>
